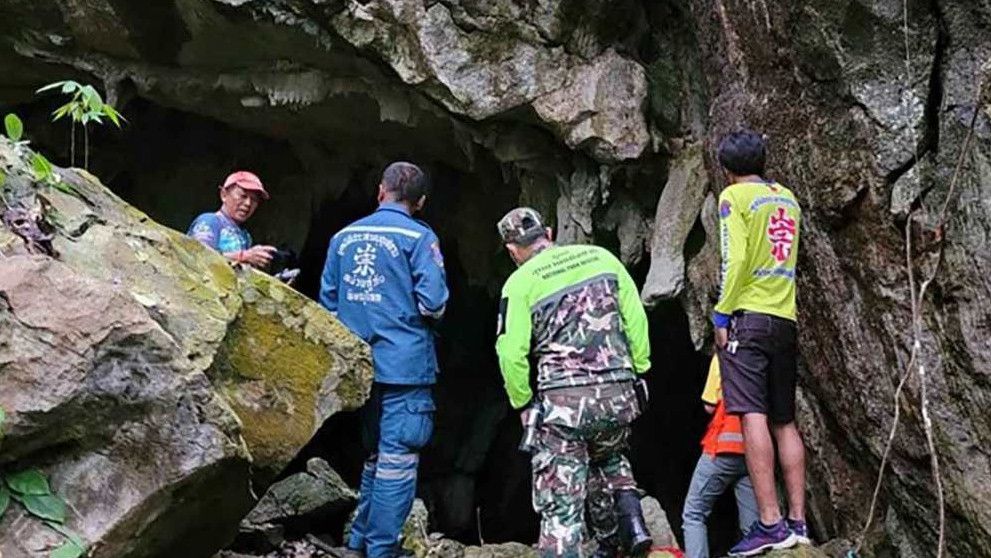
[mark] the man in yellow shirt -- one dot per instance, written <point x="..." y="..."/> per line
<point x="756" y="335"/>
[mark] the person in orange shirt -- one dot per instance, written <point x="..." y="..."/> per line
<point x="722" y="466"/>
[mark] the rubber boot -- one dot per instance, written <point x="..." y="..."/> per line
<point x="633" y="531"/>
<point x="606" y="551"/>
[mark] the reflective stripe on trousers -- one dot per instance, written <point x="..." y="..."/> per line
<point x="388" y="481"/>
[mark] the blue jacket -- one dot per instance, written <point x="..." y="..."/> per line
<point x="384" y="279"/>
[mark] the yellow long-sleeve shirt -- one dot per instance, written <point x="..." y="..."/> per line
<point x="712" y="393"/>
<point x="759" y="230"/>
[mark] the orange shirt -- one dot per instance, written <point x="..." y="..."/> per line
<point x="725" y="432"/>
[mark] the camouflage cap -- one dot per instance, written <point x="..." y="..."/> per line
<point x="520" y="225"/>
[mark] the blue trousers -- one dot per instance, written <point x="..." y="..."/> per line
<point x="399" y="421"/>
<point x="713" y="476"/>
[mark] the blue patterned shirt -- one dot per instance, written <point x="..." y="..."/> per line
<point x="220" y="232"/>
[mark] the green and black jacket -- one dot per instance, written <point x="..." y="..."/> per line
<point x="578" y="311"/>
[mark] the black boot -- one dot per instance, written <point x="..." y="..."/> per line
<point x="606" y="551"/>
<point x="633" y="531"/>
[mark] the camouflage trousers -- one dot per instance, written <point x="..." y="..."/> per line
<point x="578" y="465"/>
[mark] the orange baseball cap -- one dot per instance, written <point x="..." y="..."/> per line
<point x="248" y="181"/>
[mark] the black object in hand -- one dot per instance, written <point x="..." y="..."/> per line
<point x="533" y="418"/>
<point x="643" y="394"/>
<point x="282" y="259"/>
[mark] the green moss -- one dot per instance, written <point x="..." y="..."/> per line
<point x="272" y="381"/>
<point x="273" y="362"/>
<point x="354" y="386"/>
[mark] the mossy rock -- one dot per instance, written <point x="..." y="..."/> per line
<point x="154" y="383"/>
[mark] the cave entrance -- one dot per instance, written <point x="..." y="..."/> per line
<point x="476" y="484"/>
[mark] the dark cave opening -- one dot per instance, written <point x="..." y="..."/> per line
<point x="474" y="481"/>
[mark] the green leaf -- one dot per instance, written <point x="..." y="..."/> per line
<point x="68" y="550"/>
<point x="66" y="188"/>
<point x="41" y="166"/>
<point x="14" y="127"/>
<point x="63" y="111"/>
<point x="69" y="87"/>
<point x="4" y="499"/>
<point x="69" y="533"/>
<point x="3" y="414"/>
<point x="45" y="507"/>
<point x="113" y="115"/>
<point x="30" y="481"/>
<point x="56" y="85"/>
<point x="92" y="97"/>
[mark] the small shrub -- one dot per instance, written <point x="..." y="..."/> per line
<point x="85" y="106"/>
<point x="31" y="489"/>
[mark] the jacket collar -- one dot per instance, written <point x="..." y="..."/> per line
<point x="395" y="207"/>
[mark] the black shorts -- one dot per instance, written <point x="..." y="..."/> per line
<point x="759" y="367"/>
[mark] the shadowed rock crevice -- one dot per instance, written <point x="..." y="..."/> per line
<point x="473" y="480"/>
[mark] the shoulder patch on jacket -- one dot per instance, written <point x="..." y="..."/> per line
<point x="725" y="209"/>
<point x="435" y="252"/>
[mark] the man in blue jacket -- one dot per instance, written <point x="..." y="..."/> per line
<point x="384" y="279"/>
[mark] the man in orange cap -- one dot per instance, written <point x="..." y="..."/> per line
<point x="223" y="230"/>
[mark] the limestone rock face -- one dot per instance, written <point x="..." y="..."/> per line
<point x="577" y="111"/>
<point x="485" y="58"/>
<point x="679" y="207"/>
<point x="148" y="378"/>
<point x="902" y="128"/>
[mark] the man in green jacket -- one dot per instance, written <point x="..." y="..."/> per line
<point x="578" y="312"/>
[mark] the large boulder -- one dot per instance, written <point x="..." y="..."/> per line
<point x="152" y="382"/>
<point x="302" y="503"/>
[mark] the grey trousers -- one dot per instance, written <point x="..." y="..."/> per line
<point x="713" y="476"/>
